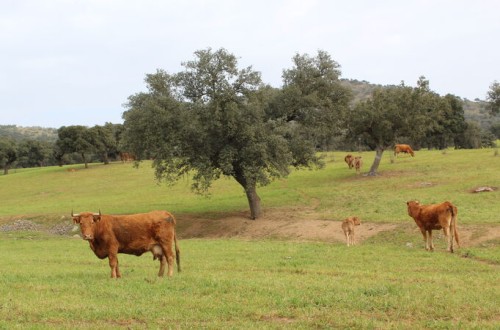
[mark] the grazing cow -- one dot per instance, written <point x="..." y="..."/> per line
<point x="435" y="216"/>
<point x="348" y="228"/>
<point x="357" y="163"/>
<point x="126" y="157"/>
<point x="348" y="159"/>
<point x="134" y="234"/>
<point x="404" y="148"/>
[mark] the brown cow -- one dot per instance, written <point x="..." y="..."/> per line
<point x="134" y="234"/>
<point x="348" y="228"/>
<point x="405" y="148"/>
<point x="357" y="163"/>
<point x="435" y="216"/>
<point x="348" y="159"/>
<point x="126" y="157"/>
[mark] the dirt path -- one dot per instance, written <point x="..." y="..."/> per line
<point x="304" y="224"/>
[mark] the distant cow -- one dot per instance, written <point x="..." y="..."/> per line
<point x="432" y="217"/>
<point x="134" y="234"/>
<point x="126" y="157"/>
<point x="404" y="148"/>
<point x="357" y="163"/>
<point x="348" y="228"/>
<point x="348" y="159"/>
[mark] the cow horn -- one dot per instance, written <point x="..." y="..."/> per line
<point x="74" y="215"/>
<point x="99" y="214"/>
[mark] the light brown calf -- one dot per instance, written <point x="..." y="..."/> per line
<point x="348" y="159"/>
<point x="348" y="228"/>
<point x="435" y="216"/>
<point x="357" y="163"/>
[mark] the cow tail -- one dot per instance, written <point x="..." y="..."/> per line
<point x="177" y="253"/>
<point x="454" y="214"/>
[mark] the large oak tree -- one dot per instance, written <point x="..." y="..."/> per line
<point x="215" y="119"/>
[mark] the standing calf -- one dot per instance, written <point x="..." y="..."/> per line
<point x="357" y="163"/>
<point x="348" y="159"/>
<point x="435" y="216"/>
<point x="348" y="228"/>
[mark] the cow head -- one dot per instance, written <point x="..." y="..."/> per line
<point x="413" y="208"/>
<point x="87" y="221"/>
<point x="356" y="221"/>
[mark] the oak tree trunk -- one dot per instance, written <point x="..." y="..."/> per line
<point x="251" y="192"/>
<point x="376" y="162"/>
<point x="85" y="160"/>
<point x="253" y="202"/>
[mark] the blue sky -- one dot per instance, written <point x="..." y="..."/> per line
<point x="65" y="62"/>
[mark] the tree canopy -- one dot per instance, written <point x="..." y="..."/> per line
<point x="215" y="119"/>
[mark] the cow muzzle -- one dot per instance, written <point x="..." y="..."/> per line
<point x="88" y="237"/>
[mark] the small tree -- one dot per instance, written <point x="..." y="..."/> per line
<point x="78" y="139"/>
<point x="104" y="141"/>
<point x="393" y="115"/>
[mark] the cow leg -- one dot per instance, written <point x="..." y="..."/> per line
<point x="424" y="234"/>
<point x="431" y="244"/>
<point x="347" y="238"/>
<point x="113" y="263"/>
<point x="163" y="262"/>
<point x="449" y="239"/>
<point x="168" y="257"/>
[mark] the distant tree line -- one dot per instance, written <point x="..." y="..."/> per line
<point x="67" y="145"/>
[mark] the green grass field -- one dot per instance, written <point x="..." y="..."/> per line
<point x="50" y="281"/>
<point x="432" y="176"/>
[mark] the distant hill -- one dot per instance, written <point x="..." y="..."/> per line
<point x="19" y="133"/>
<point x="473" y="110"/>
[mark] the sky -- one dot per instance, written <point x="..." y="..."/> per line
<point x="76" y="62"/>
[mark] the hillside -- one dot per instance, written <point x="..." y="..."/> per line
<point x="19" y="133"/>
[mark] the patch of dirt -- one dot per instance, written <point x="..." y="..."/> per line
<point x="304" y="224"/>
<point x="297" y="224"/>
<point x="277" y="224"/>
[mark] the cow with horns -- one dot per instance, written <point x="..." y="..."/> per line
<point x="134" y="234"/>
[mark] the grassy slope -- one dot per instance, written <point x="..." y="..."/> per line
<point x="335" y="191"/>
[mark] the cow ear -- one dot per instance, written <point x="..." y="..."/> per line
<point x="76" y="219"/>
<point x="97" y="218"/>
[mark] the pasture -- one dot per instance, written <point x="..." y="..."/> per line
<point x="239" y="273"/>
